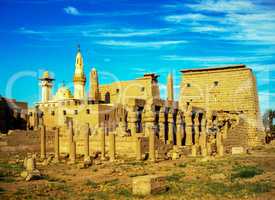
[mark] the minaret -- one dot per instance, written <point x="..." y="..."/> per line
<point x="46" y="87"/>
<point x="79" y="77"/>
<point x="170" y="88"/>
<point x="94" y="86"/>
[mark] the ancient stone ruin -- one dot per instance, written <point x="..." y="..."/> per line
<point x="214" y="116"/>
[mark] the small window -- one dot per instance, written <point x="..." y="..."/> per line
<point x="216" y="83"/>
<point x="88" y="111"/>
<point x="142" y="89"/>
<point x="188" y="84"/>
<point x="76" y="112"/>
<point x="64" y="112"/>
<point x="30" y="114"/>
<point x="117" y="91"/>
<point x="52" y="113"/>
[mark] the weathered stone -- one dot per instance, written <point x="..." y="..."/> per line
<point x="150" y="184"/>
<point x="56" y="145"/>
<point x="204" y="151"/>
<point x="218" y="177"/>
<point x="237" y="150"/>
<point x="86" y="142"/>
<point x="30" y="164"/>
<point x="194" y="151"/>
<point x="73" y="153"/>
<point x="152" y="148"/>
<point x="43" y="142"/>
<point x="112" y="147"/>
<point x="102" y="143"/>
<point x="138" y="149"/>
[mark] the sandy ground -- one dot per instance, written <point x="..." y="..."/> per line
<point x="231" y="177"/>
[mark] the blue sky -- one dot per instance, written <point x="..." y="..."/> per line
<point x="124" y="39"/>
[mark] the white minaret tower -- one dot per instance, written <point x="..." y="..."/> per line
<point x="46" y="87"/>
<point x="79" y="77"/>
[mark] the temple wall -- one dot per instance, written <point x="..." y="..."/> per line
<point x="227" y="89"/>
<point x="120" y="92"/>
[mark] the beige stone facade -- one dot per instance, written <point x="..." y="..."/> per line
<point x="228" y="89"/>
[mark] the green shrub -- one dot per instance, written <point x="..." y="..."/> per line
<point x="245" y="172"/>
<point x="182" y="165"/>
<point x="91" y="183"/>
<point x="98" y="195"/>
<point x="138" y="174"/>
<point x="175" y="177"/>
<point x="111" y="182"/>
<point x="123" y="192"/>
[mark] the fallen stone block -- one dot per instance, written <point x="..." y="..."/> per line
<point x="149" y="184"/>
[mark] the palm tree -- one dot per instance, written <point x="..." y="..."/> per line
<point x="268" y="117"/>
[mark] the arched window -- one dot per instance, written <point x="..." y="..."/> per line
<point x="107" y="97"/>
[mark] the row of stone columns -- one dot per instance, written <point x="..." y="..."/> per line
<point x="71" y="144"/>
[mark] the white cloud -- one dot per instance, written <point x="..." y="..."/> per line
<point x="223" y="6"/>
<point x="134" y="44"/>
<point x="242" y="21"/>
<point x="258" y="27"/>
<point x="123" y="33"/>
<point x="23" y="30"/>
<point x="215" y="59"/>
<point x="188" y="17"/>
<point x="70" y="10"/>
<point x="207" y="28"/>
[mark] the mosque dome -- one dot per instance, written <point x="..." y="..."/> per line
<point x="63" y="93"/>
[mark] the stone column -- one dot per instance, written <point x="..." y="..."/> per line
<point x="102" y="142"/>
<point x="138" y="149"/>
<point x="188" y="124"/>
<point x="162" y="124"/>
<point x="35" y="117"/>
<point x="179" y="130"/>
<point x="86" y="143"/>
<point x="149" y="119"/>
<point x="194" y="150"/>
<point x="30" y="164"/>
<point x="220" y="149"/>
<point x="73" y="153"/>
<point x="132" y="119"/>
<point x="42" y="141"/>
<point x="56" y="145"/>
<point x="152" y="140"/>
<point x="203" y="134"/>
<point x="196" y="128"/>
<point x="112" y="147"/>
<point x="170" y="128"/>
<point x="70" y="134"/>
<point x="225" y="130"/>
<point x="188" y="129"/>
